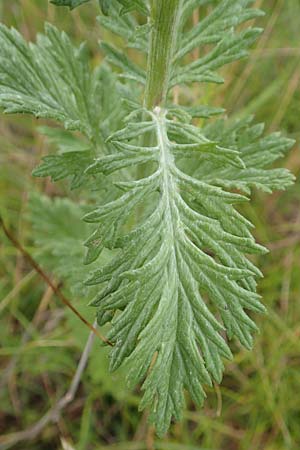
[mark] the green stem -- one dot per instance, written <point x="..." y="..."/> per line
<point x="164" y="21"/>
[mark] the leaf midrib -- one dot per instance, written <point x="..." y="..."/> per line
<point x="168" y="188"/>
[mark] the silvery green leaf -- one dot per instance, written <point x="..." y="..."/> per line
<point x="49" y="79"/>
<point x="105" y="6"/>
<point x="178" y="285"/>
<point x="176" y="266"/>
<point x="129" y="69"/>
<point x="257" y="152"/>
<point x="134" y="5"/>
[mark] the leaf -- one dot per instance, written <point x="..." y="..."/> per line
<point x="216" y="26"/>
<point x="70" y="3"/>
<point x="119" y="59"/>
<point x="132" y="5"/>
<point x="228" y="49"/>
<point x="118" y="20"/>
<point x="105" y="6"/>
<point x="204" y="111"/>
<point x="179" y="265"/>
<point x="173" y="276"/>
<point x="136" y="36"/>
<point x="49" y="79"/>
<point x="73" y="158"/>
<point x="52" y="79"/>
<point x="219" y="36"/>
<point x="69" y="164"/>
<point x="256" y="151"/>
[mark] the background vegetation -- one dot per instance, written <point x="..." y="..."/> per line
<point x="258" y="405"/>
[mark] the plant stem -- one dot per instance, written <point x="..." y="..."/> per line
<point x="164" y="22"/>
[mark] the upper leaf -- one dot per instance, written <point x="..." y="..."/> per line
<point x="70" y="3"/>
<point x="106" y="5"/>
<point x="216" y="32"/>
<point x="134" y="5"/>
<point x="219" y="37"/>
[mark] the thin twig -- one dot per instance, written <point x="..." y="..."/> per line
<point x="54" y="413"/>
<point x="55" y="288"/>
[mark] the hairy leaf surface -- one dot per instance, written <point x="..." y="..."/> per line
<point x="258" y="152"/>
<point x="49" y="79"/>
<point x="125" y="6"/>
<point x="178" y="267"/>
<point x="70" y="3"/>
<point x="178" y="284"/>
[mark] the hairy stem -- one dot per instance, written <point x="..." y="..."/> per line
<point x="164" y="21"/>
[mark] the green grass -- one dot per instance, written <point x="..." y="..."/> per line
<point x="257" y="407"/>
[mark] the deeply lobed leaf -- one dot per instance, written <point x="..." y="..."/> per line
<point x="257" y="152"/>
<point x="176" y="268"/>
<point x="50" y="79"/>
<point x="179" y="284"/>
<point x="215" y="35"/>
